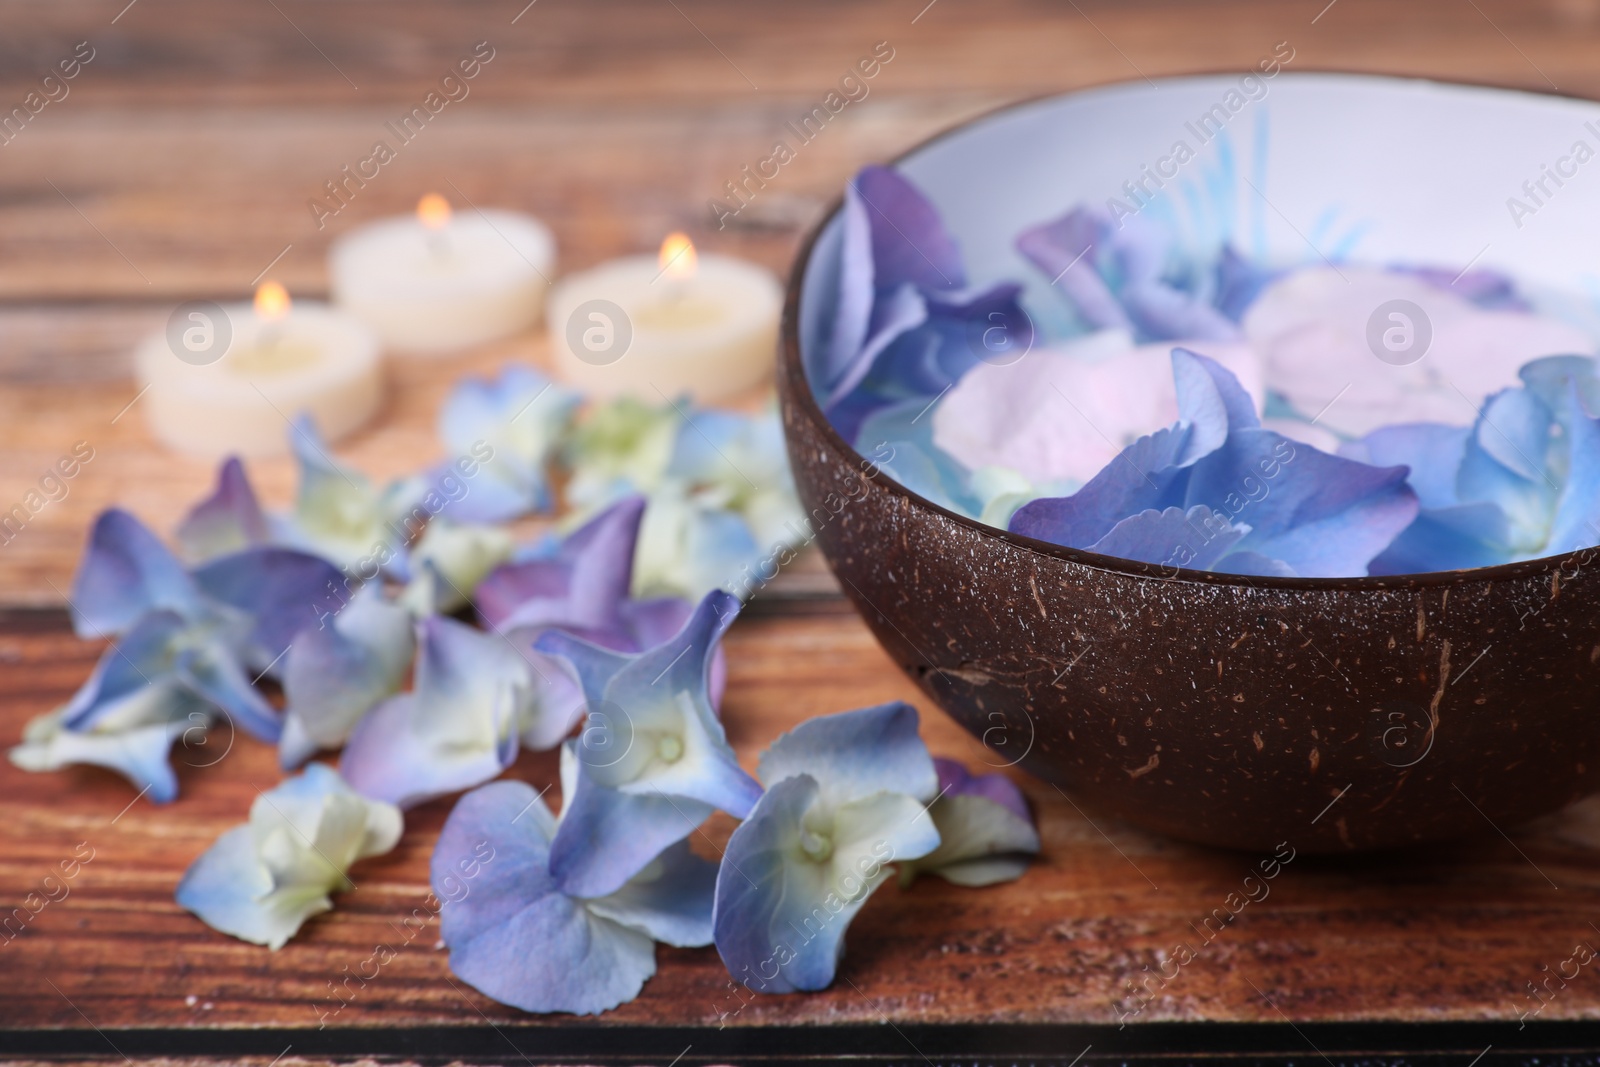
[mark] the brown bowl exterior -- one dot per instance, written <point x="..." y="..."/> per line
<point x="1334" y="714"/>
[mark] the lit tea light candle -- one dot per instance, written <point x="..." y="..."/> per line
<point x="441" y="281"/>
<point x="226" y="379"/>
<point x="676" y="323"/>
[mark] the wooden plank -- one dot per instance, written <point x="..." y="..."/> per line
<point x="1453" y="932"/>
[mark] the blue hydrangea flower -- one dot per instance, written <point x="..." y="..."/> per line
<point x="449" y="561"/>
<point x="188" y="649"/>
<point x="1122" y="273"/>
<point x="906" y="321"/>
<point x="262" y="880"/>
<point x="652" y="762"/>
<point x="340" y="515"/>
<point x="337" y="671"/>
<point x="986" y="834"/>
<point x="456" y="727"/>
<point x="721" y="496"/>
<point x="846" y="795"/>
<point x="521" y="416"/>
<point x="516" y="935"/>
<point x="1217" y="491"/>
<point x="1520" y="483"/>
<point x="581" y="584"/>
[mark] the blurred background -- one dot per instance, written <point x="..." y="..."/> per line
<point x="188" y="156"/>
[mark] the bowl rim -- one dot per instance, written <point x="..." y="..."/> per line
<point x="798" y="392"/>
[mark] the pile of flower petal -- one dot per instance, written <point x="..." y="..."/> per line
<point x="409" y="633"/>
<point x="1203" y="411"/>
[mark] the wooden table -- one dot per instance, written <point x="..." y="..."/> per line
<point x="181" y="165"/>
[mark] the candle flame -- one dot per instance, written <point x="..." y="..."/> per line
<point x="433" y="211"/>
<point x="678" y="258"/>
<point x="272" y="301"/>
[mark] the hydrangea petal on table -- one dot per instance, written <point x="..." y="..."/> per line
<point x="521" y="416"/>
<point x="517" y="936"/>
<point x="261" y="881"/>
<point x="456" y="727"/>
<point x="340" y="515"/>
<point x="1312" y="325"/>
<point x="846" y="795"/>
<point x="1217" y="480"/>
<point x="340" y="669"/>
<point x="906" y="321"/>
<point x="720" y="494"/>
<point x="228" y="520"/>
<point x="986" y="834"/>
<point x="581" y="584"/>
<point x="653" y="761"/>
<point x="449" y="561"/>
<point x="1523" y="481"/>
<point x="188" y="649"/>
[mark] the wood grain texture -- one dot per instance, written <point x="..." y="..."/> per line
<point x="181" y="164"/>
<point x="1454" y="932"/>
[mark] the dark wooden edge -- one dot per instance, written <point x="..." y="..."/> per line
<point x="1461" y="1044"/>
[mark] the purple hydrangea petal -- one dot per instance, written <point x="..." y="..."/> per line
<point x="1198" y="538"/>
<point x="212" y="672"/>
<point x="909" y="240"/>
<point x="1144" y="476"/>
<point x="281" y="590"/>
<point x="956" y="781"/>
<point x="227" y="521"/>
<point x="126" y="572"/>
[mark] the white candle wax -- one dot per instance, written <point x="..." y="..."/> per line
<point x="226" y="379"/>
<point x="438" y="282"/>
<point x="637" y="327"/>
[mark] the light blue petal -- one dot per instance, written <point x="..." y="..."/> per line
<point x="223" y="887"/>
<point x="1514" y="431"/>
<point x="1432" y="450"/>
<point x="607" y="836"/>
<point x="338" y="671"/>
<point x="513" y="935"/>
<point x="781" y="910"/>
<point x="211" y="671"/>
<point x="138" y="754"/>
<point x="1577" y="518"/>
<point x="126" y="572"/>
<point x="1211" y="401"/>
<point x="981" y="842"/>
<point x="853" y="754"/>
<point x="456" y="728"/>
<point x="670" y="899"/>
